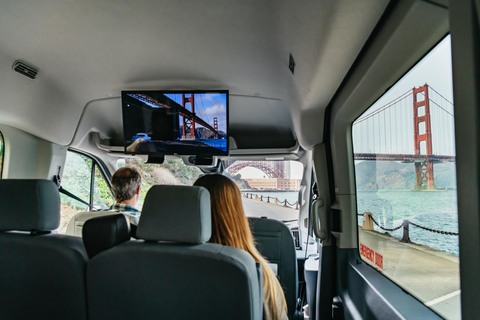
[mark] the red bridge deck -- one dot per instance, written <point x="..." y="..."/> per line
<point x="402" y="157"/>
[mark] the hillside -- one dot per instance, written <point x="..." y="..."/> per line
<point x="392" y="175"/>
<point x="203" y="133"/>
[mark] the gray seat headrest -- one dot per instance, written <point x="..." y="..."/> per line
<point x="29" y="205"/>
<point x="102" y="233"/>
<point x="176" y="214"/>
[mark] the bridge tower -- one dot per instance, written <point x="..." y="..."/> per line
<point x="423" y="138"/>
<point x="188" y="123"/>
<point x="280" y="167"/>
<point x="215" y="127"/>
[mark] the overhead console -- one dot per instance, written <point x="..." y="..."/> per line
<point x="160" y="123"/>
<point x="244" y="127"/>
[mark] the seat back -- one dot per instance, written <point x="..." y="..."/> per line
<point x="43" y="274"/>
<point x="172" y="273"/>
<point x="275" y="242"/>
<point x="76" y="223"/>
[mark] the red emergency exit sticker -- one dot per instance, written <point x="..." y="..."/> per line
<point x="371" y="255"/>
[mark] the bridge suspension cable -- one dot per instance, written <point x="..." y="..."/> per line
<point x="388" y="130"/>
<point x="388" y="105"/>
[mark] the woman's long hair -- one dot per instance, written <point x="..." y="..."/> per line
<point x="230" y="227"/>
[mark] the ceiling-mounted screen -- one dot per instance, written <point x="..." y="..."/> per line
<point x="175" y="122"/>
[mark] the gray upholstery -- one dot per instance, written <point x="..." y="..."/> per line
<point x="174" y="280"/>
<point x="138" y="280"/>
<point x="29" y="205"/>
<point x="42" y="275"/>
<point x="275" y="242"/>
<point x="162" y="207"/>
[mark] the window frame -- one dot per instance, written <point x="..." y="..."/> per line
<point x="366" y="81"/>
<point x="2" y="153"/>
<point x="375" y="275"/>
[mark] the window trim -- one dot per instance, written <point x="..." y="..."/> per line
<point x="2" y="154"/>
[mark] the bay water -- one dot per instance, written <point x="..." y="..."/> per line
<point x="431" y="209"/>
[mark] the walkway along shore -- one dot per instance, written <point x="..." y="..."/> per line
<point x="428" y="274"/>
<point x="256" y="208"/>
<point x="269" y="199"/>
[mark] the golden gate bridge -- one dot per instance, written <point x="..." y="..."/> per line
<point x="272" y="169"/>
<point x="185" y="105"/>
<point x="387" y="134"/>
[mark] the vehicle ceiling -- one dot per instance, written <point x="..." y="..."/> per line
<point x="88" y="51"/>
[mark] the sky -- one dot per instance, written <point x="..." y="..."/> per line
<point x="208" y="106"/>
<point x="395" y="133"/>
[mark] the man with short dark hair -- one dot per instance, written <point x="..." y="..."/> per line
<point x="126" y="187"/>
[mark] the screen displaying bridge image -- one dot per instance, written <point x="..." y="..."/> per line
<point x="175" y="122"/>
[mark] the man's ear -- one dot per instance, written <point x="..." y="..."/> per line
<point x="138" y="189"/>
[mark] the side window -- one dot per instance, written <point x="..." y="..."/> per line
<point x="79" y="192"/>
<point x="1" y="154"/>
<point x="405" y="170"/>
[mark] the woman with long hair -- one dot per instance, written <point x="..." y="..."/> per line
<point x="230" y="227"/>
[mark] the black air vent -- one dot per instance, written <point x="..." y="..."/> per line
<point x="24" y="69"/>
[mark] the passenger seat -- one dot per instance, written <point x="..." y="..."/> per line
<point x="275" y="242"/>
<point x="76" y="223"/>
<point x="42" y="274"/>
<point x="171" y="273"/>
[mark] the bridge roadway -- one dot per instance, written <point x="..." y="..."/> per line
<point x="402" y="157"/>
<point x="422" y="271"/>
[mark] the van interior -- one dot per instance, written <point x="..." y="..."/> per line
<point x="350" y="128"/>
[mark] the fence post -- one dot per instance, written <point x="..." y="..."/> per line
<point x="261" y="198"/>
<point x="406" y="236"/>
<point x="276" y="200"/>
<point x="256" y="196"/>
<point x="367" y="221"/>
<point x="296" y="205"/>
<point x="268" y="199"/>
